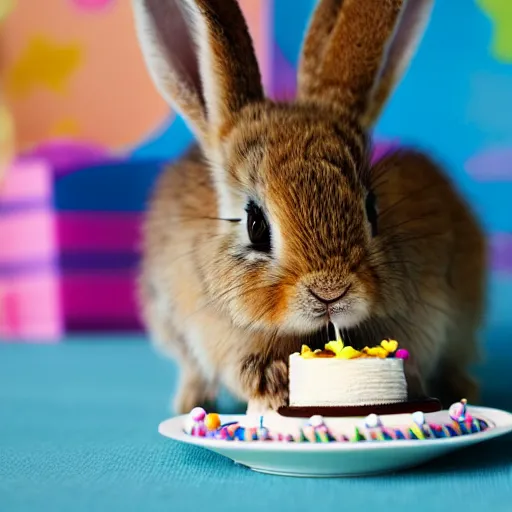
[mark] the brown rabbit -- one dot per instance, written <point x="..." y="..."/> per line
<point x="279" y="222"/>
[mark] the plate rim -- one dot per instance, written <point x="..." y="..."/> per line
<point x="500" y="419"/>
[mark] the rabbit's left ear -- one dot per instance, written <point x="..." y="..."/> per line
<point x="355" y="52"/>
<point x="201" y="58"/>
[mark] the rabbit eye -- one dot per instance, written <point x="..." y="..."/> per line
<point x="257" y="228"/>
<point x="371" y="212"/>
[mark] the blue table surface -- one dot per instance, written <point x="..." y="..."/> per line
<point x="78" y="433"/>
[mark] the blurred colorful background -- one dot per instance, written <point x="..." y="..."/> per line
<point x="83" y="134"/>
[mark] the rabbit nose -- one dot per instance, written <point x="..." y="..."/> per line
<point x="329" y="296"/>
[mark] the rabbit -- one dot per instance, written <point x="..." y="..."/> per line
<point x="277" y="222"/>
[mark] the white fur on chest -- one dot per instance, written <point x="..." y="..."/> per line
<point x="196" y="344"/>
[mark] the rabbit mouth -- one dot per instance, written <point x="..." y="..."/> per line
<point x="348" y="315"/>
<point x="336" y="309"/>
<point x="340" y="313"/>
<point x="329" y="311"/>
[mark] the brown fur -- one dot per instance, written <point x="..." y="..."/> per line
<point x="344" y="79"/>
<point x="233" y="316"/>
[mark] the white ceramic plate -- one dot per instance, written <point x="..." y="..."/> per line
<point x="340" y="459"/>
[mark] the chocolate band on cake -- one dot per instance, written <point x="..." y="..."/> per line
<point x="425" y="405"/>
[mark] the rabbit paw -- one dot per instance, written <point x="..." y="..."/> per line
<point x="265" y="381"/>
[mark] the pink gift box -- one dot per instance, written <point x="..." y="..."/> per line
<point x="99" y="260"/>
<point x="30" y="307"/>
<point x="63" y="270"/>
<point x="30" y="300"/>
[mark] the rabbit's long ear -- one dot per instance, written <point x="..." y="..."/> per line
<point x="355" y="51"/>
<point x="200" y="56"/>
<point x="410" y="30"/>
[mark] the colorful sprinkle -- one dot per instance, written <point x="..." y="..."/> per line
<point x="249" y="434"/>
<point x="401" y="435"/>
<point x="231" y="430"/>
<point x="418" y="418"/>
<point x="452" y="431"/>
<point x="316" y="421"/>
<point x="379" y="434"/>
<point x="309" y="433"/>
<point x="316" y="431"/>
<point x="456" y="427"/>
<point x="212" y="421"/>
<point x="358" y="436"/>
<point x="323" y="434"/>
<point x="428" y="431"/>
<point x="389" y="346"/>
<point x="198" y="414"/>
<point x="263" y="434"/>
<point x="465" y="426"/>
<point x="478" y="425"/>
<point x="306" y="352"/>
<point x="188" y="425"/>
<point x="349" y="353"/>
<point x="373" y="421"/>
<point x="457" y="411"/>
<point x="417" y="431"/>
<point x="379" y="352"/>
<point x="239" y="434"/>
<point x="402" y="353"/>
<point x="338" y="350"/>
<point x="388" y="434"/>
<point x="446" y="432"/>
<point x="199" y="430"/>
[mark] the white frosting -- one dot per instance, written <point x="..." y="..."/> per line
<point x="342" y="382"/>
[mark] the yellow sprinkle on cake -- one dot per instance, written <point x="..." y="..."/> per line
<point x="337" y="349"/>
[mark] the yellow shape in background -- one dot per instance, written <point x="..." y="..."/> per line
<point x="111" y="95"/>
<point x="500" y="12"/>
<point x="6" y="138"/>
<point x="6" y="6"/>
<point x="67" y="127"/>
<point x="43" y="63"/>
<point x="6" y="121"/>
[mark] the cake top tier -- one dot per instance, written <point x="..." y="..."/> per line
<point x="337" y="349"/>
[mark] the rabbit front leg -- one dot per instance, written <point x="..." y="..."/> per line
<point x="193" y="389"/>
<point x="264" y="380"/>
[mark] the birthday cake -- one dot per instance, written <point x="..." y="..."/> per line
<point x="343" y="394"/>
<point x="343" y="376"/>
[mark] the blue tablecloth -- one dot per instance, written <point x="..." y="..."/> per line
<point x="78" y="433"/>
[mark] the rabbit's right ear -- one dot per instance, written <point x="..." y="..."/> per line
<point x="410" y="30"/>
<point x="355" y="52"/>
<point x="200" y="55"/>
